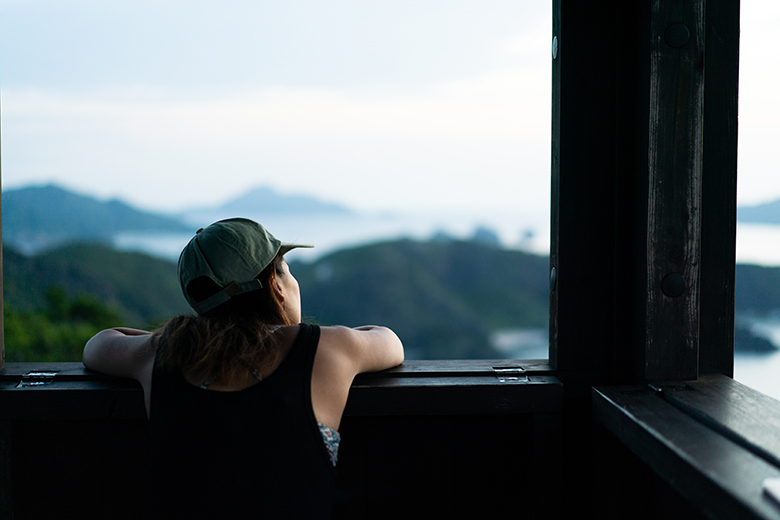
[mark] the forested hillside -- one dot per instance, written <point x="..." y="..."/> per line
<point x="444" y="298"/>
<point x="54" y="302"/>
<point x="141" y="288"/>
<point x="758" y="289"/>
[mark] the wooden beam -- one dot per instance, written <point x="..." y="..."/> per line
<point x="2" y="314"/>
<point x="718" y="476"/>
<point x="719" y="189"/>
<point x="745" y="416"/>
<point x="643" y="189"/>
<point x="675" y="152"/>
<point x="582" y="203"/>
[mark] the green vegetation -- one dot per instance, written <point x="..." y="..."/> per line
<point x="58" y="331"/>
<point x="442" y="298"/>
<point x="54" y="302"/>
<point x="142" y="289"/>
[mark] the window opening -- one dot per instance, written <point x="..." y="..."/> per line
<point x="338" y="124"/>
<point x="757" y="306"/>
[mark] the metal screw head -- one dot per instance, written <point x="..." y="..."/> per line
<point x="673" y="285"/>
<point x="555" y="47"/>
<point x="677" y="35"/>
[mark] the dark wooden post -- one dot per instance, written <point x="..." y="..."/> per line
<point x="6" y="510"/>
<point x="2" y="320"/>
<point x="583" y="169"/>
<point x="675" y="154"/>
<point x="643" y="170"/>
<point x="643" y="202"/>
<point x="719" y="189"/>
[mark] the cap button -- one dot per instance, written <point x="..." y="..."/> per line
<point x="198" y="231"/>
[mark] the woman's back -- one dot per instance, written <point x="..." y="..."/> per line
<point x="241" y="448"/>
<point x="214" y="454"/>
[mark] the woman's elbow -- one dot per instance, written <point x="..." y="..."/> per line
<point x="400" y="358"/>
<point x="91" y="353"/>
<point x="88" y="355"/>
<point x="397" y="349"/>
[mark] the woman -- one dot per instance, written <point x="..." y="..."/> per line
<point x="244" y="401"/>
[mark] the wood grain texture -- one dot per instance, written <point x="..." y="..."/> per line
<point x="77" y="393"/>
<point x="634" y="122"/>
<point x="455" y="395"/>
<point x="715" y="474"/>
<point x="746" y="416"/>
<point x="463" y="367"/>
<point x="674" y="198"/>
<point x="719" y="189"/>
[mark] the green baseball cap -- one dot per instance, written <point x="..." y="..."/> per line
<point x="231" y="253"/>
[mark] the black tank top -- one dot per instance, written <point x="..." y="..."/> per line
<point x="253" y="453"/>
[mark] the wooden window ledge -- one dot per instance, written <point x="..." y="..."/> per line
<point x="54" y="391"/>
<point x="713" y="440"/>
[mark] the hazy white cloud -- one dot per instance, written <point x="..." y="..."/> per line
<point x="759" y="104"/>
<point x="447" y="108"/>
<point x="439" y="139"/>
<point x="499" y="104"/>
<point x="380" y="105"/>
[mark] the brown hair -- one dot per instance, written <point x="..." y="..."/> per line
<point x="212" y="344"/>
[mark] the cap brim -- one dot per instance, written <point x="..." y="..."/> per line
<point x="285" y="248"/>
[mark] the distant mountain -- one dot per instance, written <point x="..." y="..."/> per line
<point x="768" y="213"/>
<point x="40" y="217"/>
<point x="757" y="289"/>
<point x="266" y="200"/>
<point x="259" y="203"/>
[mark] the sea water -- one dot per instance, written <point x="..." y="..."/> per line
<point x="761" y="370"/>
<point x="328" y="233"/>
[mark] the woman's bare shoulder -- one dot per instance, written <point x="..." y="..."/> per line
<point x="365" y="349"/>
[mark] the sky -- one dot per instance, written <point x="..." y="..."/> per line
<point x="395" y="105"/>
<point x="401" y="105"/>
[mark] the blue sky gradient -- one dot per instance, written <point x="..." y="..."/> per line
<point x="441" y="105"/>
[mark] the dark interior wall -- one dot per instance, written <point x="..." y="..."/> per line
<point x="434" y="466"/>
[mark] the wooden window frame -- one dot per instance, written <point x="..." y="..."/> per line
<point x="609" y="319"/>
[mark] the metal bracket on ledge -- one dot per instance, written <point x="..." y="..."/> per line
<point x="37" y="378"/>
<point x="511" y="375"/>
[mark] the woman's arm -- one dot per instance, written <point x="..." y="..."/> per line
<point x="122" y="352"/>
<point x="343" y="353"/>
<point x="369" y="348"/>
